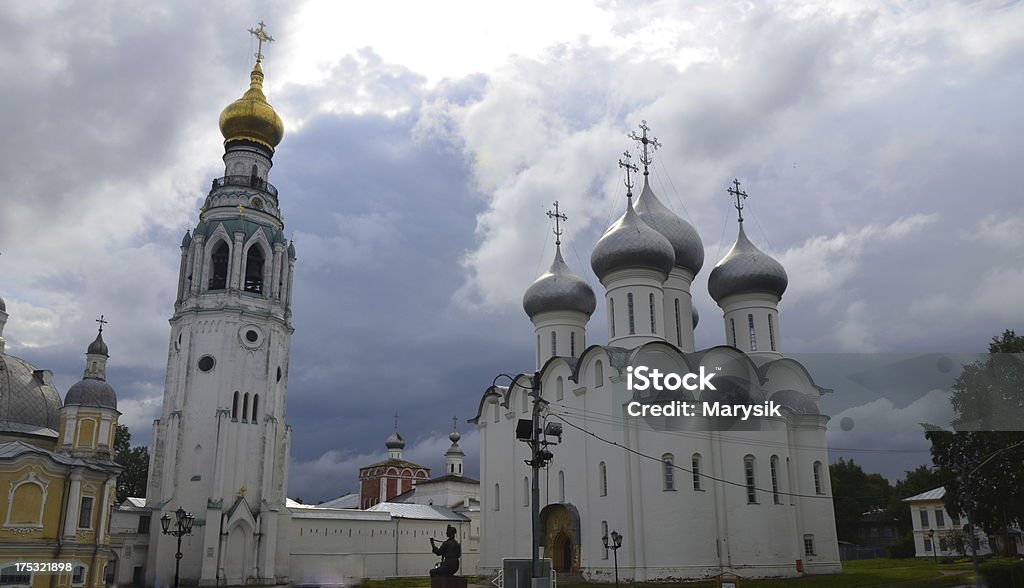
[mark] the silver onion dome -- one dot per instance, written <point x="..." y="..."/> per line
<point x="695" y="315"/>
<point x="559" y="289"/>
<point x="631" y="243"/>
<point x="28" y="399"/>
<point x="3" y="305"/>
<point x="91" y="392"/>
<point x="395" y="441"/>
<point x="745" y="269"/>
<point x="98" y="346"/>
<point x="454" y="436"/>
<point x="685" y="241"/>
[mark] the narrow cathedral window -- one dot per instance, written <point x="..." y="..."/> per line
<point x="78" y="577"/>
<point x="695" y="469"/>
<point x="554" y="344"/>
<point x="653" y="326"/>
<point x="602" y="471"/>
<point x="497" y="497"/>
<point x="808" y="544"/>
<point x="733" y="323"/>
<point x="234" y="407"/>
<point x="561" y="486"/>
<point x="526" y="491"/>
<point x="559" y="388"/>
<point x="753" y="340"/>
<point x="817" y="478"/>
<point x="771" y="332"/>
<point x="679" y="325"/>
<point x="572" y="344"/>
<point x="85" y="513"/>
<point x="668" y="466"/>
<point x="775" y="479"/>
<point x="219" y="267"/>
<point x="245" y="407"/>
<point x="611" y="313"/>
<point x="629" y="305"/>
<point x="526" y="402"/>
<point x="604" y="533"/>
<point x="598" y="374"/>
<point x="254" y="270"/>
<point x="748" y="466"/>
<point x="255" y="404"/>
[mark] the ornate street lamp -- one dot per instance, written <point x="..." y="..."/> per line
<point x="935" y="552"/>
<point x="183" y="526"/>
<point x="615" y="544"/>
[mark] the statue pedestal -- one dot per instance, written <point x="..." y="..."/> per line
<point x="448" y="582"/>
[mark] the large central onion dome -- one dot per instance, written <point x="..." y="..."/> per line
<point x="559" y="289"/>
<point x="251" y="118"/>
<point x="631" y="243"/>
<point x="746" y="269"/>
<point x="685" y="241"/>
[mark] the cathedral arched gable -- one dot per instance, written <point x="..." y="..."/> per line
<point x="787" y="373"/>
<point x="489" y="393"/>
<point x="587" y="359"/>
<point x="681" y="362"/>
<point x="733" y="362"/>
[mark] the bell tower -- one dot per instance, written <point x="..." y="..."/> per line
<point x="221" y="445"/>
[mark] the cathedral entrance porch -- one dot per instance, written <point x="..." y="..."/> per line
<point x="560" y="532"/>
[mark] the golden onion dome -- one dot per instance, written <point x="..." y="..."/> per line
<point x="251" y="117"/>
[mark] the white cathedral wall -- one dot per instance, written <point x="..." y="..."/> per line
<point x="341" y="546"/>
<point x="740" y="308"/>
<point x="641" y="284"/>
<point x="677" y="287"/>
<point x="667" y="533"/>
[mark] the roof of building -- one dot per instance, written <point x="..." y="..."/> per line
<point x="15" y="449"/>
<point x="744" y="269"/>
<point x="426" y="512"/>
<point x="399" y="463"/>
<point x="559" y="288"/>
<point x="685" y="241"/>
<point x="448" y="478"/>
<point x="91" y="392"/>
<point x="631" y="243"/>
<point x="350" y="500"/>
<point x="934" y="494"/>
<point x="133" y="504"/>
<point x="29" y="402"/>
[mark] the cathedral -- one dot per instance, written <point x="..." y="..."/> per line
<point x="690" y="497"/>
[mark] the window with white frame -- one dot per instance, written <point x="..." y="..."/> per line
<point x="654" y="328"/>
<point x="78" y="576"/>
<point x="818" y="484"/>
<point x="695" y="469"/>
<point x="602" y="474"/>
<point x="629" y="309"/>
<point x="809" y="545"/>
<point x="751" y="479"/>
<point x="561" y="486"/>
<point x="753" y="337"/>
<point x="85" y="513"/>
<point x="559" y="388"/>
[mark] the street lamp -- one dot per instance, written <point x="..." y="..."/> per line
<point x="935" y="553"/>
<point x="183" y="526"/>
<point x="615" y="544"/>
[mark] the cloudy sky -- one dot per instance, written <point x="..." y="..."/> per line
<point x="880" y="144"/>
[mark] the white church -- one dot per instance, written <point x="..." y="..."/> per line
<point x="692" y="497"/>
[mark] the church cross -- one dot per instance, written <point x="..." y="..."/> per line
<point x="102" y="322"/>
<point x="559" y="218"/>
<point x="396" y="421"/>
<point x="740" y="195"/>
<point x="628" y="166"/>
<point x="262" y="37"/>
<point x="645" y="142"/>
<point x="455" y="423"/>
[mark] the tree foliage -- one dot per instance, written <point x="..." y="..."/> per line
<point x="982" y="460"/>
<point x="135" y="461"/>
<point x="855" y="493"/>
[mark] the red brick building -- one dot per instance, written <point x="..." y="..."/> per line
<point x="382" y="481"/>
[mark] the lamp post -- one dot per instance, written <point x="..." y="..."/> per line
<point x="615" y="544"/>
<point x="183" y="526"/>
<point x="935" y="553"/>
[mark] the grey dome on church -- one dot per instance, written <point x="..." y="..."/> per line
<point x="98" y="346"/>
<point x="695" y="315"/>
<point x="686" y="243"/>
<point x="746" y="269"/>
<point x="28" y="399"/>
<point x="559" y="289"/>
<point x="91" y="392"/>
<point x="395" y="441"/>
<point x="631" y="243"/>
<point x="3" y="304"/>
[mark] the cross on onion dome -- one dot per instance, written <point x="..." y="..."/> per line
<point x="628" y="166"/>
<point x="559" y="218"/>
<point x="262" y="37"/>
<point x="740" y="196"/>
<point x="645" y="144"/>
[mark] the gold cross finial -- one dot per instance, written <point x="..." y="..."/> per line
<point x="559" y="218"/>
<point x="102" y="322"/>
<point x="628" y="166"/>
<point x="262" y="37"/>
<point x="645" y="143"/>
<point x="740" y="196"/>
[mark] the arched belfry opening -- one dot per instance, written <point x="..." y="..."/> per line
<point x="560" y="533"/>
<point x="254" y="270"/>
<point x="219" y="267"/>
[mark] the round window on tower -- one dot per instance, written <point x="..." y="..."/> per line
<point x="206" y="363"/>
<point x="250" y="336"/>
<point x="256" y="203"/>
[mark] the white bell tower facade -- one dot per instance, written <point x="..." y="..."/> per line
<point x="221" y="445"/>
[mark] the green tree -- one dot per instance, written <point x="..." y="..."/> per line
<point x="982" y="460"/>
<point x="856" y="492"/>
<point x="134" y="460"/>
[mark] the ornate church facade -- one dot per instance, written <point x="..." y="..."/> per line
<point x="692" y="497"/>
<point x="221" y="445"/>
